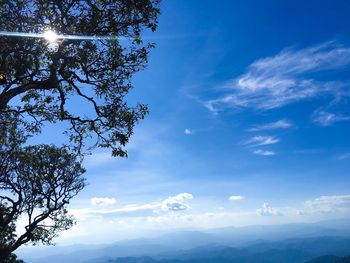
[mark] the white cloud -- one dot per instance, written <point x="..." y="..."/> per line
<point x="324" y="118"/>
<point x="102" y="201"/>
<point x="136" y="208"/>
<point x="172" y="204"/>
<point x="276" y="81"/>
<point x="261" y="140"/>
<point x="327" y="204"/>
<point x="98" y="228"/>
<point x="85" y="213"/>
<point x="264" y="152"/>
<point x="188" y="132"/>
<point x="267" y="210"/>
<point x="236" y="198"/>
<point x="176" y="203"/>
<point x="280" y="124"/>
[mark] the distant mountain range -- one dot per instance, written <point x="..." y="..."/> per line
<point x="330" y="259"/>
<point x="323" y="259"/>
<point x="288" y="251"/>
<point x="294" y="243"/>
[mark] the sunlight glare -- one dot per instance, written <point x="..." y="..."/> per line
<point x="50" y="36"/>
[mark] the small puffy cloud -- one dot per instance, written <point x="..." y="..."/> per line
<point x="264" y="152"/>
<point x="176" y="203"/>
<point x="102" y="201"/>
<point x="280" y="124"/>
<point x="267" y="210"/>
<point x="188" y="132"/>
<point x="327" y="204"/>
<point x="261" y="140"/>
<point x="236" y="198"/>
<point x="324" y="118"/>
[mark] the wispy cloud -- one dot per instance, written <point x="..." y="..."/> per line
<point x="135" y="208"/>
<point x="236" y="198"/>
<point x="170" y="204"/>
<point x="343" y="156"/>
<point x="276" y="81"/>
<point x="188" y="132"/>
<point x="327" y="204"/>
<point x="267" y="210"/>
<point x="264" y="152"/>
<point x="261" y="140"/>
<point x="102" y="201"/>
<point x="280" y="124"/>
<point x="324" y="118"/>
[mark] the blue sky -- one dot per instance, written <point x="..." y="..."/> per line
<point x="249" y="123"/>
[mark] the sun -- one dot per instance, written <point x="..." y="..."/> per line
<point x="50" y="36"/>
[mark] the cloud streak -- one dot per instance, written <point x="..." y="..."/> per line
<point x="279" y="80"/>
<point x="236" y="198"/>
<point x="327" y="204"/>
<point x="264" y="152"/>
<point x="170" y="204"/>
<point x="343" y="156"/>
<point x="280" y="124"/>
<point x="324" y="118"/>
<point x="261" y="141"/>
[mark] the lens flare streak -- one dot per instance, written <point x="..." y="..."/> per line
<point x="71" y="37"/>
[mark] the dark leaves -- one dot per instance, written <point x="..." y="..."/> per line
<point x="99" y="71"/>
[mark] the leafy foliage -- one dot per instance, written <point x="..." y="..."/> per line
<point x="39" y="86"/>
<point x="36" y="184"/>
<point x="98" y="72"/>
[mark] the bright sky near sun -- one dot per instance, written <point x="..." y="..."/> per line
<point x="249" y="123"/>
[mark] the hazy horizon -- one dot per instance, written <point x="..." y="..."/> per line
<point x="334" y="235"/>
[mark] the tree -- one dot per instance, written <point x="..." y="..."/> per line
<point x="36" y="184"/>
<point x="98" y="72"/>
<point x="39" y="86"/>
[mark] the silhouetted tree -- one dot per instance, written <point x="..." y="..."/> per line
<point x="46" y="84"/>
<point x="39" y="86"/>
<point x="36" y="184"/>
